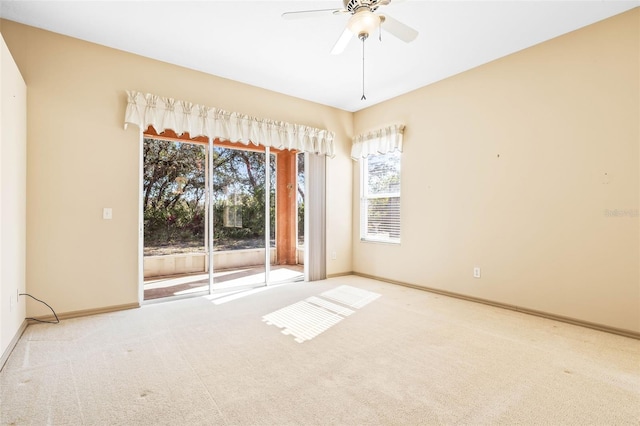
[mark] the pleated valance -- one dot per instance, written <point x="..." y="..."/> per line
<point x="163" y="113"/>
<point x="379" y="141"/>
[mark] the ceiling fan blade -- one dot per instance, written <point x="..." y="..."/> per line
<point x="387" y="2"/>
<point x="342" y="42"/>
<point x="398" y="29"/>
<point x="303" y="14"/>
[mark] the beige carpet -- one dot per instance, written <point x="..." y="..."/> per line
<point x="346" y="351"/>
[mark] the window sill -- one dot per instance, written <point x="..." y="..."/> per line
<point x="386" y="242"/>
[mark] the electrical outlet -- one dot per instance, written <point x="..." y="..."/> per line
<point x="334" y="256"/>
<point x="476" y="272"/>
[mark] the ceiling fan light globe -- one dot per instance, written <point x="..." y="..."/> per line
<point x="363" y="22"/>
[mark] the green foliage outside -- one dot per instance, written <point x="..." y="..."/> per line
<point x="174" y="196"/>
<point x="301" y="186"/>
<point x="383" y="190"/>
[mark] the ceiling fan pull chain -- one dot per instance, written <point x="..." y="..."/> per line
<point x="363" y="98"/>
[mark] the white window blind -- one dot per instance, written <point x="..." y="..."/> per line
<point x="380" y="197"/>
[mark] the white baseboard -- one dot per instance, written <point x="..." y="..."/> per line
<point x="600" y="327"/>
<point x="86" y="312"/>
<point x="12" y="344"/>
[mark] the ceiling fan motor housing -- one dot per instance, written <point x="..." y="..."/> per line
<point x="353" y="5"/>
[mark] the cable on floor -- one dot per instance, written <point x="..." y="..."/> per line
<point x="45" y="303"/>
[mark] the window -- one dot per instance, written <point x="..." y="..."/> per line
<point x="380" y="198"/>
<point x="233" y="212"/>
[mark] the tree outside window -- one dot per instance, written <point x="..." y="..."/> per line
<point x="380" y="198"/>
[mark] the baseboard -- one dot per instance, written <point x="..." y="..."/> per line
<point x="340" y="274"/>
<point x="12" y="344"/>
<point x="86" y="312"/>
<point x="573" y="321"/>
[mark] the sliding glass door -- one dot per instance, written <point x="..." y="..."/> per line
<point x="247" y="236"/>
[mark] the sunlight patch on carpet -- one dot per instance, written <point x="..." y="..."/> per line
<point x="345" y="312"/>
<point x="307" y="319"/>
<point x="302" y="320"/>
<point x="351" y="296"/>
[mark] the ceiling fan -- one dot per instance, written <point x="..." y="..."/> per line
<point x="362" y="23"/>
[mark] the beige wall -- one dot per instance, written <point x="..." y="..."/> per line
<point x="13" y="198"/>
<point x="80" y="160"/>
<point x="511" y="167"/>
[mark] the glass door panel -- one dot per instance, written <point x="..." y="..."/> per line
<point x="300" y="203"/>
<point x="285" y="264"/>
<point x="273" y="272"/>
<point x="174" y="196"/>
<point x="239" y="255"/>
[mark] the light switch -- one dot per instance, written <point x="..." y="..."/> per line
<point x="107" y="213"/>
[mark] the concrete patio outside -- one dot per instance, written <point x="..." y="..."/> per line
<point x="189" y="284"/>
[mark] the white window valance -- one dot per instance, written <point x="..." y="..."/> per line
<point x="163" y="113"/>
<point x="379" y="141"/>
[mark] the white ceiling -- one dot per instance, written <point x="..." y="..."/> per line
<point x="248" y="41"/>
